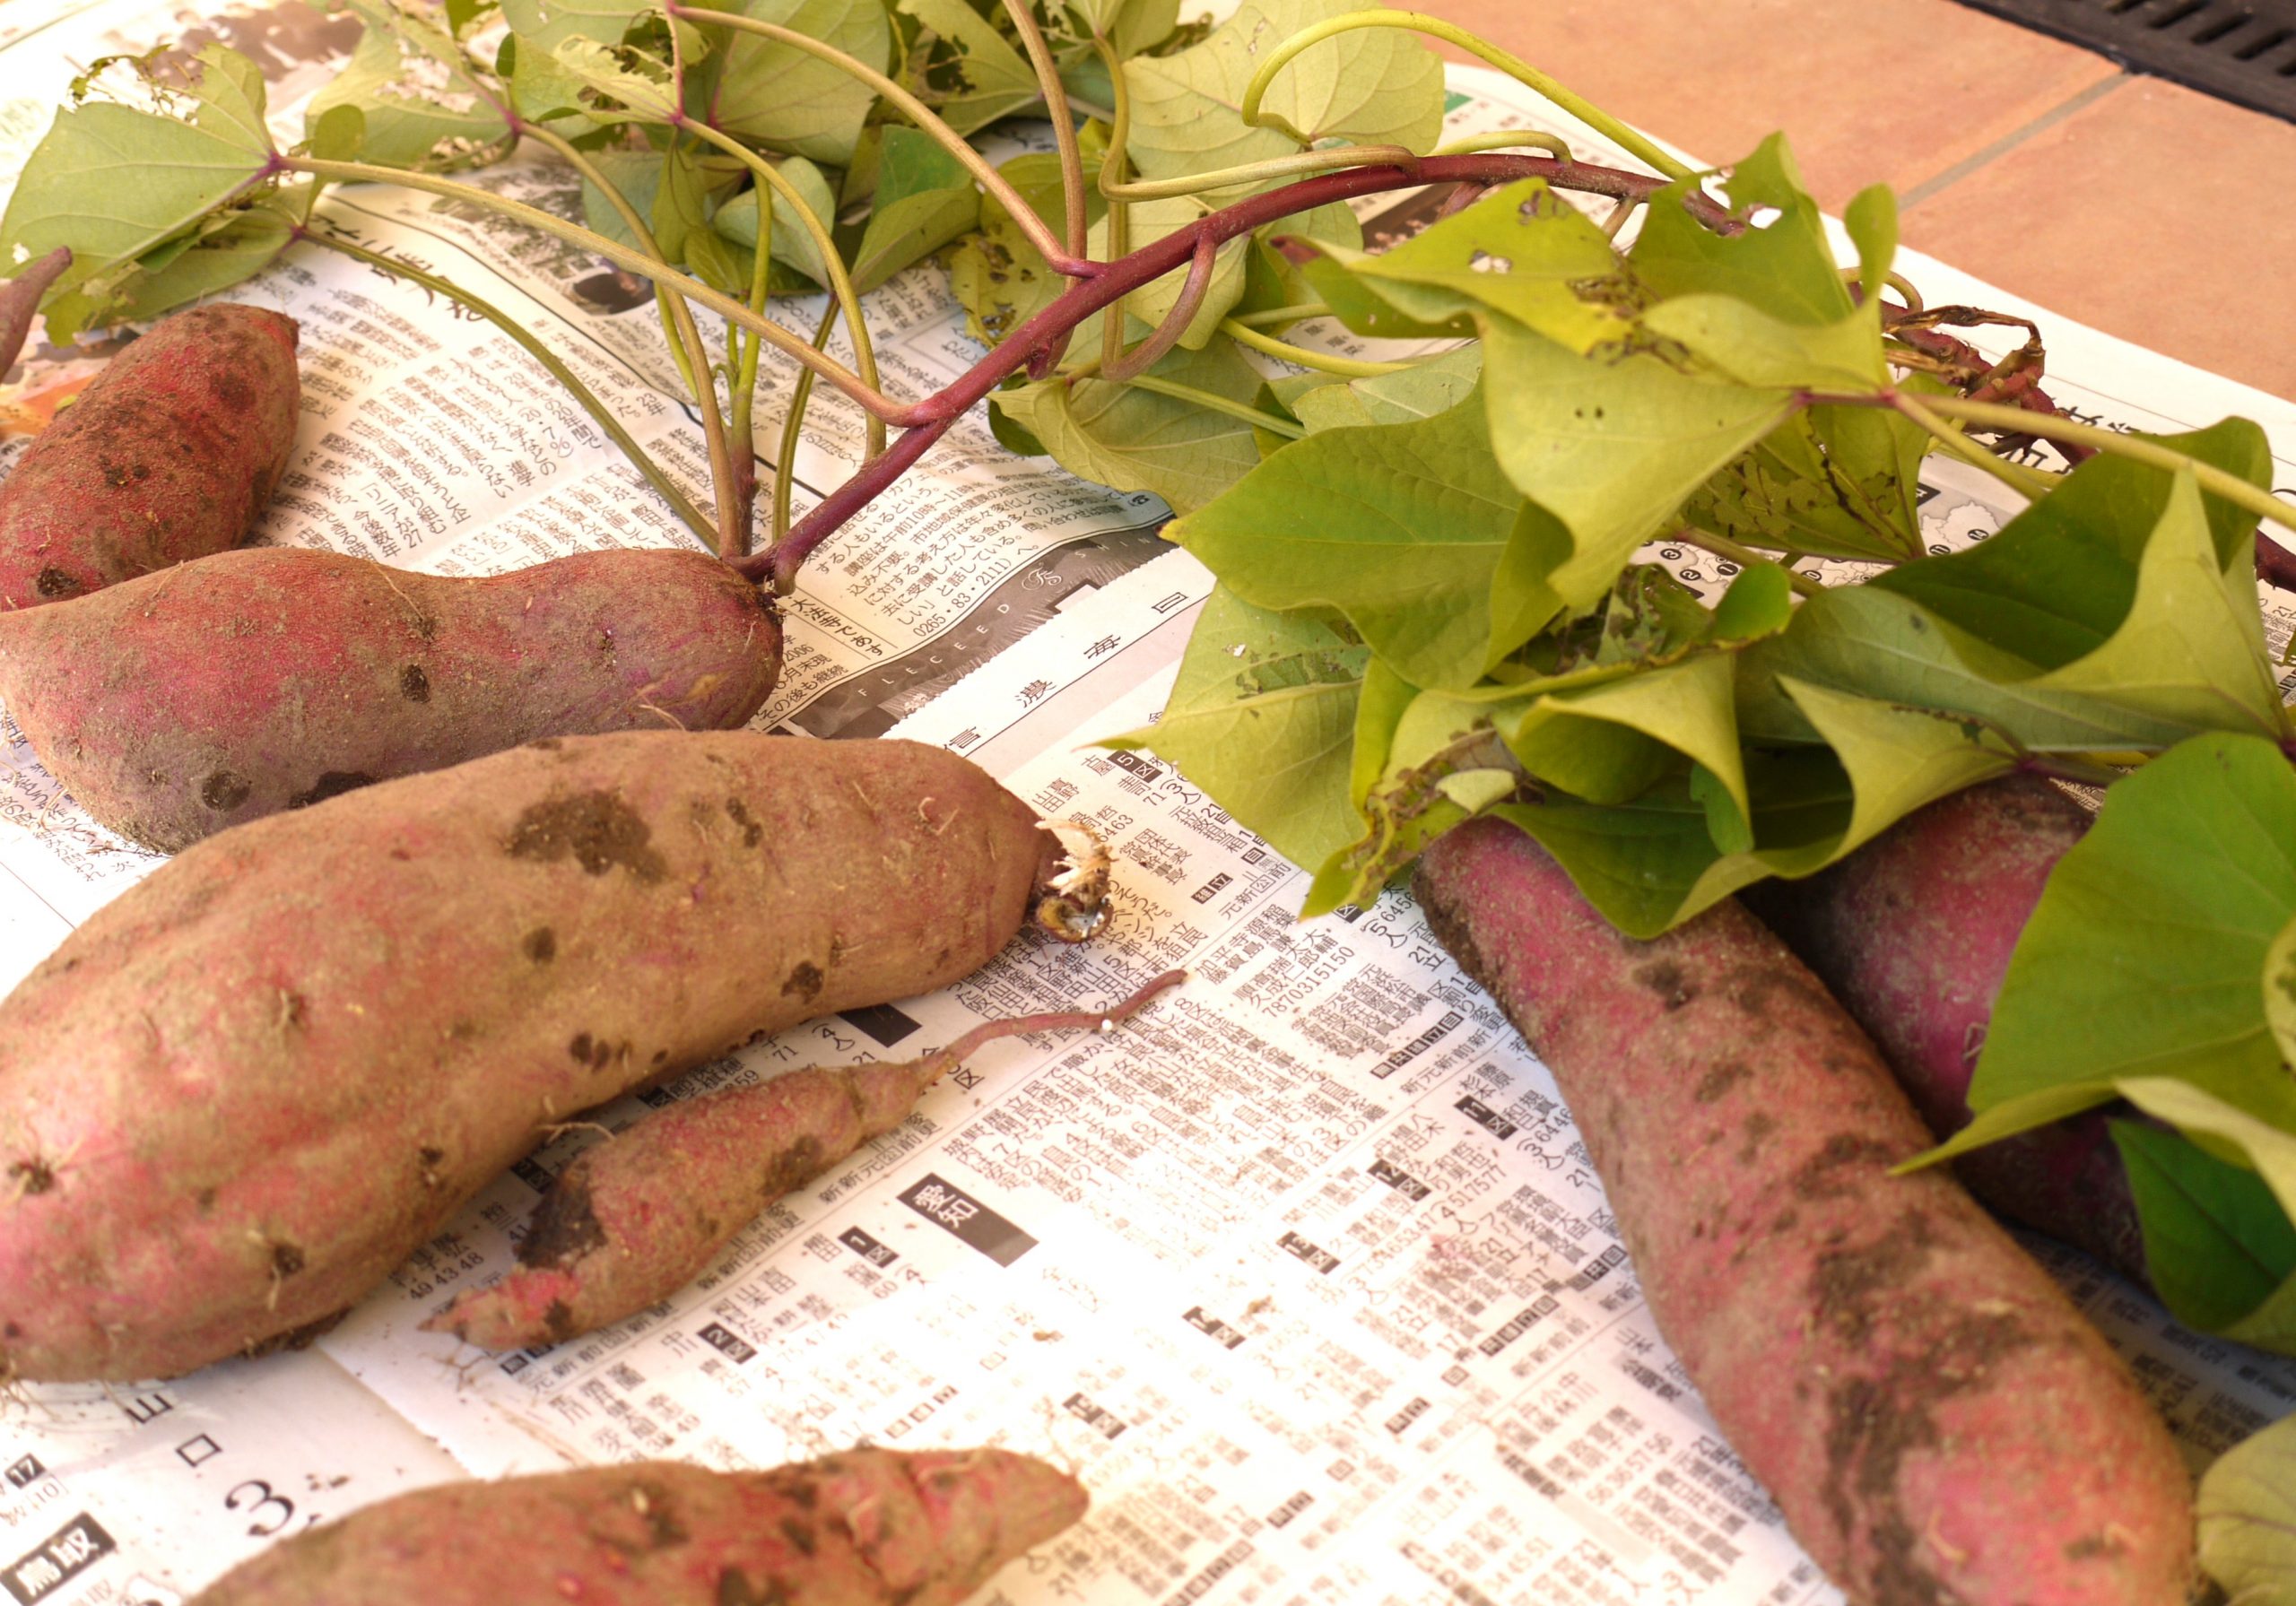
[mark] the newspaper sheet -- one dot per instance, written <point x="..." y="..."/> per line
<point x="1304" y="1272"/>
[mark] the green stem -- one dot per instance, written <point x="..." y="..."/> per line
<point x="745" y="362"/>
<point x="1064" y="122"/>
<point x="1115" y="162"/>
<point x="1352" y="367"/>
<point x="840" y="281"/>
<point x="1039" y="233"/>
<point x="785" y="463"/>
<point x="1744" y="557"/>
<point x="1297" y="314"/>
<point x="687" y="514"/>
<point x="686" y="347"/>
<point x="684" y="341"/>
<point x="1969" y="451"/>
<point x="1218" y="403"/>
<point x="1991" y="416"/>
<point x="1513" y="65"/>
<point x="621" y="256"/>
<point x="1506" y="139"/>
<point x="1259" y="172"/>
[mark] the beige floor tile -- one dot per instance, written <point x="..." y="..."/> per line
<point x="1893" y="92"/>
<point x="2154" y="212"/>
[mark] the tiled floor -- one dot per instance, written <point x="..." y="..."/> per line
<point x="2153" y="212"/>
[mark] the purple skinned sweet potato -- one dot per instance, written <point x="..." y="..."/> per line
<point x="865" y="1528"/>
<point x="634" y="1220"/>
<point x="242" y="1093"/>
<point x="1913" y="933"/>
<point x="252" y="681"/>
<point x="169" y="454"/>
<point x="1935" y="1418"/>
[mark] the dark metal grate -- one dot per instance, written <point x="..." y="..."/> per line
<point x="2238" y="51"/>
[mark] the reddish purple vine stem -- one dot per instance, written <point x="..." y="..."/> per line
<point x="927" y="420"/>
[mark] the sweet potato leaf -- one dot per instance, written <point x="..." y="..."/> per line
<point x="668" y="188"/>
<point x="1653" y="862"/>
<point x="549" y="23"/>
<point x="2253" y="1195"/>
<point x="2060" y="577"/>
<point x="1262" y="717"/>
<point x="1608" y="743"/>
<point x="1371" y="85"/>
<point x="2246" y="1508"/>
<point x="777" y="96"/>
<point x="2145" y="956"/>
<point x="2191" y="647"/>
<point x="1610" y="446"/>
<point x="1783" y="267"/>
<point x="1897" y="757"/>
<point x="1002" y="280"/>
<point x="424" y="107"/>
<point x="1523" y="252"/>
<point x="925" y="199"/>
<point x="1420" y="391"/>
<point x="1867" y="641"/>
<point x="114" y="182"/>
<point x="2218" y="1247"/>
<point x="792" y="243"/>
<point x="964" y="68"/>
<point x="1130" y="26"/>
<point x="1754" y="348"/>
<point x="1137" y="440"/>
<point x="621" y="85"/>
<point x="1400" y="528"/>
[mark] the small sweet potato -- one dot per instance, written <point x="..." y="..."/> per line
<point x="1937" y="1420"/>
<point x="1913" y="933"/>
<point x="219" y="691"/>
<point x="635" y="1219"/>
<point x="169" y="454"/>
<point x="867" y="1528"/>
<point x="243" y="1092"/>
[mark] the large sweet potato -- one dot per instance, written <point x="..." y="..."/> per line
<point x="248" y="682"/>
<point x="240" y="1094"/>
<point x="1913" y="933"/>
<point x="169" y="454"/>
<point x="1936" y="1419"/>
<point x="867" y="1528"/>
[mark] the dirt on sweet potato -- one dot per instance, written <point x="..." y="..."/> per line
<point x="169" y="454"/>
<point x="1937" y="1420"/>
<point x="1913" y="933"/>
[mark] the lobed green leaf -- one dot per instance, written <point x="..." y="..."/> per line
<point x="1262" y="717"/>
<point x="422" y="107"/>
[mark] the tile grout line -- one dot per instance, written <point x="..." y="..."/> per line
<point x="2008" y="142"/>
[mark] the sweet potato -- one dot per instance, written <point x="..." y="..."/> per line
<point x="20" y="301"/>
<point x="222" y="690"/>
<point x="1913" y="934"/>
<point x="239" y="1095"/>
<point x="867" y="1528"/>
<point x="633" y="1221"/>
<point x="169" y="454"/>
<point x="1934" y="1417"/>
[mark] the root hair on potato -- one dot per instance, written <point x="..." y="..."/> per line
<point x="1076" y="900"/>
<point x="557" y="1130"/>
